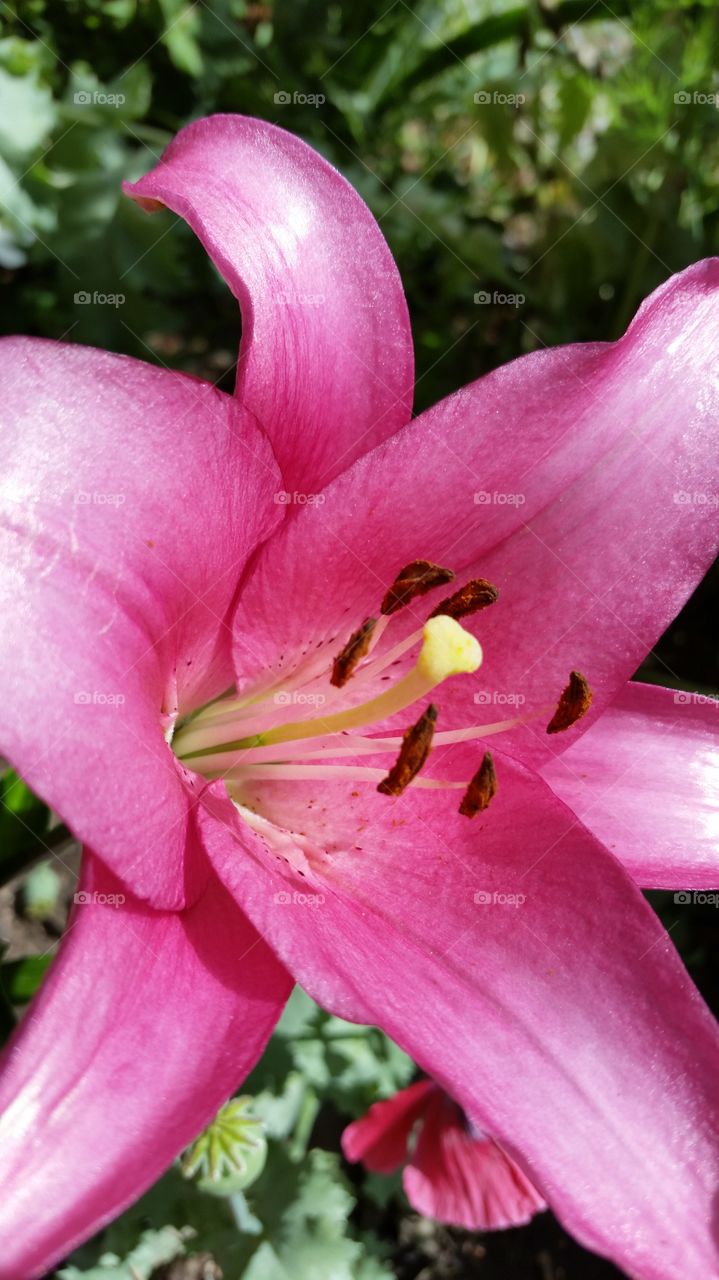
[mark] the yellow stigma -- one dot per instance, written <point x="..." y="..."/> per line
<point x="448" y="650"/>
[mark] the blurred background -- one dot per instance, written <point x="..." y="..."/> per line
<point x="537" y="170"/>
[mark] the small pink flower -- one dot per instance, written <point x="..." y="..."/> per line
<point x="452" y="1171"/>
<point x="183" y="571"/>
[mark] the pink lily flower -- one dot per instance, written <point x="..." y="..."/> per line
<point x="235" y="842"/>
<point x="453" y="1172"/>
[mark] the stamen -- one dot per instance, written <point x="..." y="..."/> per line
<point x="474" y="595"/>
<point x="447" y="650"/>
<point x="347" y="744"/>
<point x="354" y="651"/>
<point x="265" y="745"/>
<point x="375" y="668"/>
<point x="416" y="579"/>
<point x="481" y="789"/>
<point x="335" y="746"/>
<point x="573" y="704"/>
<point x="319" y="773"/>
<point x="416" y="746"/>
<point x="382" y="624"/>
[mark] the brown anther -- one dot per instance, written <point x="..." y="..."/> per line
<point x="481" y="789"/>
<point x="416" y="579"/>
<point x="474" y="595"/>
<point x="573" y="704"/>
<point x="352" y="654"/>
<point x="416" y="745"/>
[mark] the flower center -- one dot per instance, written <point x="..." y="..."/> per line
<point x="253" y="738"/>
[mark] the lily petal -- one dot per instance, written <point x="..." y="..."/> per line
<point x="130" y="500"/>
<point x="576" y="1036"/>
<point x="645" y="780"/>
<point x="465" y="1180"/>
<point x="147" y="1022"/>
<point x="571" y="478"/>
<point x="326" y="361"/>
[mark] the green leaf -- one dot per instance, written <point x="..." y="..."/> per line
<point x="125" y="98"/>
<point x="153" y="1249"/>
<point x="353" y="1065"/>
<point x="575" y="103"/>
<point x="280" y="1105"/>
<point x="404" y="68"/>
<point x="21" y="979"/>
<point x="21" y="219"/>
<point x="305" y="1212"/>
<point x="294" y="1221"/>
<point x="24" y="820"/>
<point x="135" y="86"/>
<point x="27" y="114"/>
<point x="174" y="1201"/>
<point x="182" y="25"/>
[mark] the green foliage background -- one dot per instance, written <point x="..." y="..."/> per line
<point x="582" y="197"/>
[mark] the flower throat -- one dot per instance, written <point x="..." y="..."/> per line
<point x="249" y="739"/>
